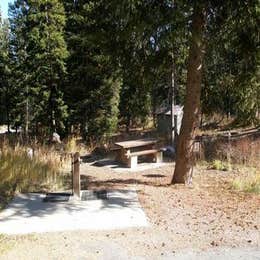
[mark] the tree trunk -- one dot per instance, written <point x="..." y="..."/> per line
<point x="173" y="126"/>
<point x="7" y="107"/>
<point x="27" y="115"/>
<point x="184" y="159"/>
<point x="128" y="122"/>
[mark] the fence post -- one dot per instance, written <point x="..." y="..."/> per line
<point x="76" y="175"/>
<point x="229" y="151"/>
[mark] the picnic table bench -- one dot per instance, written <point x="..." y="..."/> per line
<point x="130" y="151"/>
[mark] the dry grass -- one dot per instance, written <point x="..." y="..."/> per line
<point x="5" y="244"/>
<point x="246" y="151"/>
<point x="248" y="181"/>
<point x="22" y="172"/>
<point x="246" y="178"/>
<point x="242" y="149"/>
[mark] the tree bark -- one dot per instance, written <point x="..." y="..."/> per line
<point x="184" y="158"/>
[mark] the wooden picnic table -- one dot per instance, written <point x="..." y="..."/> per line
<point x="130" y="150"/>
<point x="137" y="143"/>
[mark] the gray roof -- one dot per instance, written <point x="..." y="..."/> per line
<point x="167" y="111"/>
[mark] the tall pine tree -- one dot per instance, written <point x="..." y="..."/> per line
<point x="94" y="77"/>
<point x="19" y="82"/>
<point x="5" y="92"/>
<point x="47" y="53"/>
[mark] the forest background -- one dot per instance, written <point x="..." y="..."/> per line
<point x="93" y="66"/>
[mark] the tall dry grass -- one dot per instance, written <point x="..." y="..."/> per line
<point x="240" y="153"/>
<point x="22" y="170"/>
<point x="248" y="182"/>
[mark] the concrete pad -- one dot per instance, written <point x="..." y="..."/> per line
<point x="114" y="165"/>
<point x="27" y="213"/>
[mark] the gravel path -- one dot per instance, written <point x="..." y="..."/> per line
<point x="206" y="221"/>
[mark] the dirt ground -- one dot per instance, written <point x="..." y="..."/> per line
<point x="208" y="215"/>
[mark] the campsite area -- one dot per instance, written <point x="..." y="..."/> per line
<point x="206" y="217"/>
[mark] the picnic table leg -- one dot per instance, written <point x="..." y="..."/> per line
<point x="159" y="157"/>
<point x="132" y="161"/>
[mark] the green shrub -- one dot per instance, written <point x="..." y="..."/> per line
<point x="220" y="165"/>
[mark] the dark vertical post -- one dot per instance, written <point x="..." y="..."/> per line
<point x="76" y="175"/>
<point x="27" y="115"/>
<point x="172" y="101"/>
<point x="229" y="151"/>
<point x="175" y="130"/>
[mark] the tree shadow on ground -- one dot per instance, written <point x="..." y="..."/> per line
<point x="154" y="175"/>
<point x="113" y="164"/>
<point x="122" y="182"/>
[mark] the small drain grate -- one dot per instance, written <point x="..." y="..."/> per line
<point x="56" y="197"/>
<point x="93" y="195"/>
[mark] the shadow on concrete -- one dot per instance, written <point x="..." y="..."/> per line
<point x="32" y="205"/>
<point x="109" y="163"/>
<point x="28" y="214"/>
<point x="89" y="158"/>
<point x="121" y="199"/>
